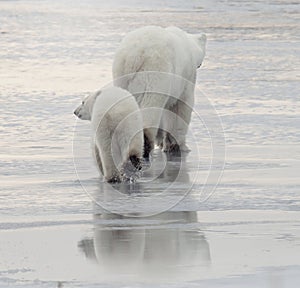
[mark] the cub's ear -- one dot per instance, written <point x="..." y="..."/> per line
<point x="94" y="96"/>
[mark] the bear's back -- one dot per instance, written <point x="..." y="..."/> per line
<point x="153" y="48"/>
<point x="115" y="104"/>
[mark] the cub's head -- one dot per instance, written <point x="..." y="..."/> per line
<point x="200" y="40"/>
<point x="85" y="110"/>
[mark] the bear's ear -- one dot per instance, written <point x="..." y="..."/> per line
<point x="201" y="39"/>
<point x="98" y="93"/>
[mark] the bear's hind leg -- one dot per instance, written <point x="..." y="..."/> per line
<point x="184" y="112"/>
<point x="169" y="126"/>
<point x="136" y="162"/>
<point x="148" y="143"/>
<point x="98" y="159"/>
<point x="110" y="168"/>
<point x="174" y="142"/>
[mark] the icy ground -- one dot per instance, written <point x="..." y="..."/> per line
<point x="244" y="234"/>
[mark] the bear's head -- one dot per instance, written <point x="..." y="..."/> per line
<point x="85" y="110"/>
<point x="200" y="40"/>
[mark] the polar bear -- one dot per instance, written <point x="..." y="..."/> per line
<point x="158" y="66"/>
<point x="117" y="130"/>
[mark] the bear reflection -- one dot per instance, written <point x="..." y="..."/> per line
<point x="155" y="248"/>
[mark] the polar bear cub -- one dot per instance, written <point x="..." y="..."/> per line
<point x="117" y="129"/>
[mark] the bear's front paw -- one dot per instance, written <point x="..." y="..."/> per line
<point x="173" y="149"/>
<point x="184" y="148"/>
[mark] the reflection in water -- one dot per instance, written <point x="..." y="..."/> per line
<point x="166" y="246"/>
<point x="154" y="248"/>
<point x="162" y="185"/>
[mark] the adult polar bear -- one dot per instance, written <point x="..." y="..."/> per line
<point x="158" y="66"/>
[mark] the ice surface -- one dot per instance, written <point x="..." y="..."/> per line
<point x="242" y="233"/>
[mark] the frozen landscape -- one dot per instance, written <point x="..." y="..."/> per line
<point x="225" y="215"/>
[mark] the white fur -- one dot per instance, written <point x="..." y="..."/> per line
<point x="117" y="129"/>
<point x="167" y="50"/>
